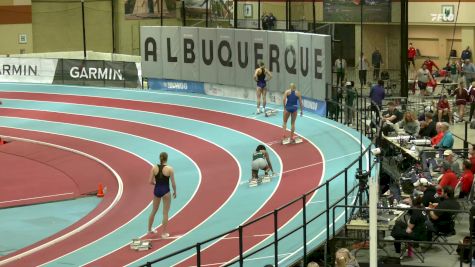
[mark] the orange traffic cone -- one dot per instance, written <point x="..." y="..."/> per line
<point x="100" y="191"/>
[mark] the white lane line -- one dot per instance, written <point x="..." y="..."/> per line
<point x="237" y="237"/>
<point x="251" y="259"/>
<point x="31" y="198"/>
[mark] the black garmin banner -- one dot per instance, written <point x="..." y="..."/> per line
<point x="230" y="56"/>
<point x="97" y="73"/>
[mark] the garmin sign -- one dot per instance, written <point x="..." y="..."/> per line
<point x="96" y="73"/>
<point x="229" y="57"/>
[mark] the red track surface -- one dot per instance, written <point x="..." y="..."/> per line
<point x="292" y="157"/>
<point x="33" y="173"/>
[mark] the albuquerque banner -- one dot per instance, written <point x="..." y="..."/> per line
<point x="230" y="57"/>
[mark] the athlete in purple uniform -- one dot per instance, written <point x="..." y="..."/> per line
<point x="290" y="98"/>
<point x="160" y="176"/>
<point x="261" y="76"/>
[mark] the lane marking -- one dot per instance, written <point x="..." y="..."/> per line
<point x="251" y="259"/>
<point x="31" y="198"/>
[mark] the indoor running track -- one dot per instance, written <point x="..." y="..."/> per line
<point x="210" y="141"/>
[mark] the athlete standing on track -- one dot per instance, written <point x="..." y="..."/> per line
<point x="260" y="161"/>
<point x="160" y="176"/>
<point x="290" y="108"/>
<point x="261" y="76"/>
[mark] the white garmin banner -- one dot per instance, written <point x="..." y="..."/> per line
<point x="230" y="57"/>
<point x="28" y="70"/>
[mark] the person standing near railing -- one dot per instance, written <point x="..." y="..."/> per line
<point x="349" y="102"/>
<point x="461" y="97"/>
<point x="340" y="67"/>
<point x="362" y="67"/>
<point x="411" y="56"/>
<point x="377" y="61"/>
<point x="377" y="95"/>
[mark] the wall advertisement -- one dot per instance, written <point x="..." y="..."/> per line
<point x="97" y="73"/>
<point x="27" y="70"/>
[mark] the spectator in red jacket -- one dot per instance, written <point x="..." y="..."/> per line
<point x="461" y="97"/>
<point x="411" y="56"/>
<point x="472" y="158"/>
<point x="443" y="108"/>
<point x="448" y="178"/>
<point x="440" y="134"/>
<point x="430" y="65"/>
<point x="466" y="179"/>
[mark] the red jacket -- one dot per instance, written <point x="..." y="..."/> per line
<point x="466" y="179"/>
<point x="436" y="139"/>
<point x="449" y="178"/>
<point x="411" y="52"/>
<point x="430" y="64"/>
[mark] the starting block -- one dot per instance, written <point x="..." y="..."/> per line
<point x="287" y="141"/>
<point x="260" y="180"/>
<point x="140" y="245"/>
<point x="270" y="112"/>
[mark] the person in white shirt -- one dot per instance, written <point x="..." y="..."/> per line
<point x="362" y="67"/>
<point x="340" y="68"/>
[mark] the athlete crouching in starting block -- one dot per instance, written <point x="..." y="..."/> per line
<point x="260" y="161"/>
<point x="289" y="99"/>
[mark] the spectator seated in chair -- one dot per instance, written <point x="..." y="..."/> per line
<point x="429" y="191"/>
<point x="472" y="157"/>
<point x="343" y="258"/>
<point x="410" y="125"/>
<point x="466" y="179"/>
<point x="443" y="109"/>
<point x="447" y="141"/>
<point x="443" y="221"/>
<point x="428" y="126"/>
<point x="391" y="116"/>
<point x="449" y="178"/>
<point x="449" y="156"/>
<point x="438" y="137"/>
<point x="414" y="229"/>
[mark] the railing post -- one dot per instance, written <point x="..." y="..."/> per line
<point x="465" y="140"/>
<point x="346" y="195"/>
<point x="304" y="215"/>
<point x="198" y="254"/>
<point x="327" y="200"/>
<point x="276" y="239"/>
<point x="241" y="258"/>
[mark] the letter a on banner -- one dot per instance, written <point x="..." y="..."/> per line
<point x="151" y="51"/>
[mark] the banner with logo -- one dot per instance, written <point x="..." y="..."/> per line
<point x="230" y="57"/>
<point x="28" y="70"/>
<point x="176" y="86"/>
<point x="97" y="73"/>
